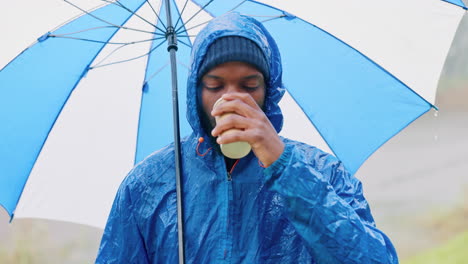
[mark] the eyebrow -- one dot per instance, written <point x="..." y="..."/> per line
<point x="253" y="76"/>
<point x="213" y="77"/>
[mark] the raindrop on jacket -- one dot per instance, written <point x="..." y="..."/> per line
<point x="304" y="208"/>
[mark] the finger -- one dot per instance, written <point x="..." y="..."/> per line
<point x="236" y="106"/>
<point x="230" y="121"/>
<point x="232" y="136"/>
<point x="239" y="98"/>
<point x="249" y="135"/>
<point x="245" y="97"/>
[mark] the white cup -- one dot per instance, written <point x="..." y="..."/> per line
<point x="234" y="150"/>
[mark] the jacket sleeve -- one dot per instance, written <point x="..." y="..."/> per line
<point x="326" y="206"/>
<point x="122" y="241"/>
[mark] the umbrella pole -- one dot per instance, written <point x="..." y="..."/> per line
<point x="172" y="49"/>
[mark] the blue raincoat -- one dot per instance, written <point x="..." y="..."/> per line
<point x="304" y="208"/>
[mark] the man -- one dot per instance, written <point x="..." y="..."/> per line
<point x="285" y="202"/>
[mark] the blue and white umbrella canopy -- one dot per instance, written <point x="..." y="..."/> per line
<point x="93" y="97"/>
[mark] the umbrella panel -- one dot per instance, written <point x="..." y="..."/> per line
<point x="156" y="123"/>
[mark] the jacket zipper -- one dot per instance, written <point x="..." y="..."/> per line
<point x="228" y="246"/>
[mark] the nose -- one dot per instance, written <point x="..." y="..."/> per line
<point x="234" y="88"/>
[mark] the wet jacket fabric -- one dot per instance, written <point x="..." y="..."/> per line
<point x="304" y="208"/>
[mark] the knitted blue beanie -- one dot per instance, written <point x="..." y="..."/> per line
<point x="234" y="48"/>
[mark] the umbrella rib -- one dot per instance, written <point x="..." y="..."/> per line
<point x="101" y="62"/>
<point x="134" y="58"/>
<point x="156" y="13"/>
<point x="273" y="18"/>
<point x="117" y="3"/>
<point x="264" y="16"/>
<point x="83" y="30"/>
<point x="77" y="16"/>
<point x="201" y="24"/>
<point x="108" y="55"/>
<point x="180" y="16"/>
<point x="162" y="67"/>
<point x="237" y="6"/>
<point x="183" y="64"/>
<point x="194" y="15"/>
<point x="88" y="13"/>
<point x="184" y="43"/>
<point x="157" y="71"/>
<point x="115" y="50"/>
<point x="185" y="30"/>
<point x="89" y="29"/>
<point x="186" y="36"/>
<point x="105" y="42"/>
<point x="107" y="22"/>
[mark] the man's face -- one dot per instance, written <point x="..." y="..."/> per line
<point x="230" y="77"/>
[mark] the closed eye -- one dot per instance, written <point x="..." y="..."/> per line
<point x="212" y="88"/>
<point x="250" y="88"/>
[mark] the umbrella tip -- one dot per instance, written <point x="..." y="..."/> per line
<point x="44" y="37"/>
<point x="288" y="16"/>
<point x="145" y="87"/>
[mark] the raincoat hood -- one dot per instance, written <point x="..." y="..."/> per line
<point x="234" y="24"/>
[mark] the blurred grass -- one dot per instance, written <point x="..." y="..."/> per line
<point x="455" y="251"/>
<point x="40" y="241"/>
<point x="450" y="228"/>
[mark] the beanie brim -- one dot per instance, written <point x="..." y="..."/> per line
<point x="234" y="48"/>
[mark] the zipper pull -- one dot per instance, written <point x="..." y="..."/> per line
<point x="229" y="176"/>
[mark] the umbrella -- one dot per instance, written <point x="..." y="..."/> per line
<point x="91" y="98"/>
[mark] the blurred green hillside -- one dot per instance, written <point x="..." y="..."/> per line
<point x="453" y="252"/>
